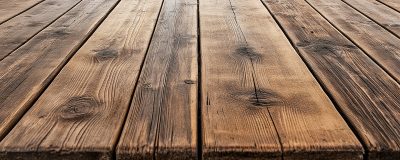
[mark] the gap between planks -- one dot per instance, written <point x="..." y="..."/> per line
<point x="287" y="19"/>
<point x="21" y="10"/>
<point x="13" y="34"/>
<point x="326" y="91"/>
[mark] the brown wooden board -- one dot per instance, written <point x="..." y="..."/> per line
<point x="378" y="12"/>
<point x="29" y="70"/>
<point x="394" y="4"/>
<point x="81" y="114"/>
<point x="11" y="8"/>
<point x="259" y="100"/>
<point x="23" y="27"/>
<point x="365" y="94"/>
<point x="162" y="119"/>
<point x="378" y="43"/>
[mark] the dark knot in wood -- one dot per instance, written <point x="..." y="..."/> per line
<point x="248" y="52"/>
<point x="260" y="98"/>
<point x="189" y="81"/>
<point x="105" y="54"/>
<point x="79" y="108"/>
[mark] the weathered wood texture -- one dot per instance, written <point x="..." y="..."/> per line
<point x="81" y="114"/>
<point x="365" y="94"/>
<point x="378" y="43"/>
<point x="381" y="14"/>
<point x="31" y="68"/>
<point x="23" y="27"/>
<point x="254" y="103"/>
<point x="11" y="8"/>
<point x="394" y="4"/>
<point x="162" y="119"/>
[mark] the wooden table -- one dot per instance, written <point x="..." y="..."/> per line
<point x="205" y="79"/>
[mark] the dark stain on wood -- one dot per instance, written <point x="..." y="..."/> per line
<point x="51" y="3"/>
<point x="394" y="25"/>
<point x="259" y="97"/>
<point x="188" y="81"/>
<point x="105" y="54"/>
<point x="79" y="108"/>
<point x="147" y="86"/>
<point x="248" y="52"/>
<point x="324" y="46"/>
<point x="60" y="33"/>
<point x="34" y="24"/>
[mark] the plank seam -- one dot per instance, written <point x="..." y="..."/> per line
<point x="370" y="19"/>
<point x="351" y="40"/>
<point x="254" y="79"/>
<point x="388" y="5"/>
<point x="199" y="141"/>
<point x="114" y="157"/>
<point x="365" y="53"/>
<point x="44" y="27"/>
<point x="54" y="74"/>
<point x="319" y="81"/>
<point x="22" y="12"/>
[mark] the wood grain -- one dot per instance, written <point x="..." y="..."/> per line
<point x="254" y="101"/>
<point x="365" y="94"/>
<point x="394" y="4"/>
<point x="162" y="119"/>
<point x="29" y="70"/>
<point x="23" y="27"/>
<point x="381" y="14"/>
<point x="81" y="114"/>
<point x="378" y="43"/>
<point x="11" y="8"/>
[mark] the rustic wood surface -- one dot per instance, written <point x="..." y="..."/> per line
<point x="253" y="98"/>
<point x="81" y="114"/>
<point x="21" y="28"/>
<point x="378" y="12"/>
<point x="162" y="119"/>
<point x="32" y="67"/>
<point x="394" y="4"/>
<point x="11" y="8"/>
<point x="28" y="72"/>
<point x="377" y="42"/>
<point x="199" y="79"/>
<point x="367" y="96"/>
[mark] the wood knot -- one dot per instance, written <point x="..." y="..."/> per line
<point x="34" y="24"/>
<point x="394" y="25"/>
<point x="324" y="46"/>
<point x="60" y="33"/>
<point x="50" y="3"/>
<point x="105" y="54"/>
<point x="79" y="108"/>
<point x="260" y="98"/>
<point x="147" y="86"/>
<point x="265" y="98"/>
<point x="246" y="51"/>
<point x="188" y="81"/>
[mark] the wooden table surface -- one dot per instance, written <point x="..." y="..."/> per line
<point x="199" y="79"/>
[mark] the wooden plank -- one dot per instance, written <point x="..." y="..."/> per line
<point x="81" y="113"/>
<point x="381" y="14"/>
<point x="394" y="4"/>
<point x="254" y="103"/>
<point x="28" y="71"/>
<point x="365" y="94"/>
<point x="162" y="119"/>
<point x="23" y="27"/>
<point x="378" y="43"/>
<point x="11" y="8"/>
